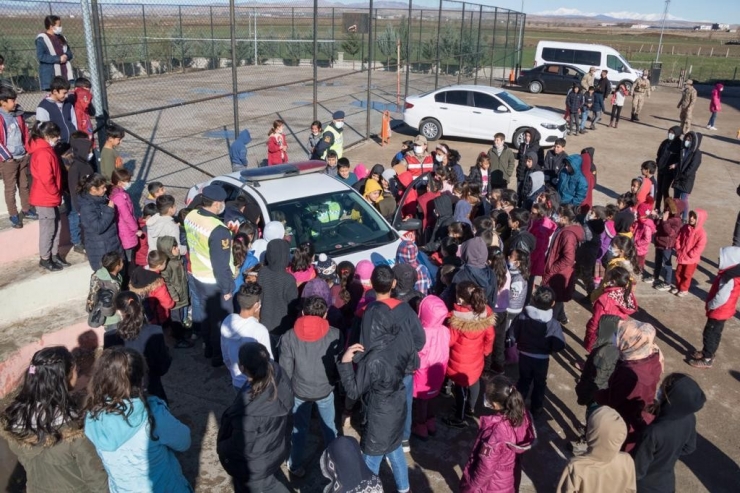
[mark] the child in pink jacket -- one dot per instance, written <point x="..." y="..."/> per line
<point x="430" y="376"/>
<point x="690" y="244"/>
<point x="128" y="226"/>
<point x="494" y="465"/>
<point x="643" y="229"/>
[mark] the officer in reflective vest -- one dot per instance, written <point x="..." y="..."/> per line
<point x="418" y="161"/>
<point x="332" y="138"/>
<point x="209" y="241"/>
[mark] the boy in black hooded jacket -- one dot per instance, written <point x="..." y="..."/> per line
<point x="667" y="159"/>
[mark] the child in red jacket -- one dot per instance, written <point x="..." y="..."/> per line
<point x="471" y="340"/>
<point x="151" y="288"/>
<point x="617" y="299"/>
<point x="277" y="148"/>
<point x="494" y="465"/>
<point x="720" y="305"/>
<point x="690" y="244"/>
<point x="643" y="230"/>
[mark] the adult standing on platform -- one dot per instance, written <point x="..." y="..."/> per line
<point x="332" y="138"/>
<point x="53" y="53"/>
<point x="211" y="262"/>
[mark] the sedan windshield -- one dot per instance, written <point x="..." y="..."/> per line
<point x="514" y="102"/>
<point x="337" y="223"/>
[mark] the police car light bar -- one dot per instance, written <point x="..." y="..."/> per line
<point x="281" y="171"/>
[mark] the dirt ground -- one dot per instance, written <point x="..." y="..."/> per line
<point x="199" y="393"/>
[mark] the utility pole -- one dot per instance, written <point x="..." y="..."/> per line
<point x="521" y="17"/>
<point x="662" y="28"/>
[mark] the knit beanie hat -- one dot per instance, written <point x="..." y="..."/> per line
<point x="326" y="268"/>
<point x="363" y="271"/>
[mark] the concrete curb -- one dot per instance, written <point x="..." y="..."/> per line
<point x="19" y="244"/>
<point x="31" y="298"/>
<point x="75" y="337"/>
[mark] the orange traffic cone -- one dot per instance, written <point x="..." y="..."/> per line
<point x="511" y="77"/>
<point x="385" y="130"/>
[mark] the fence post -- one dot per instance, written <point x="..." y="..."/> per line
<point x="101" y="32"/>
<point x="146" y="39"/>
<point x="370" y="54"/>
<point x="439" y="29"/>
<point x="408" y="55"/>
<point x="51" y="12"/>
<point x="506" y="39"/>
<point x="421" y="24"/>
<point x="315" y="55"/>
<point x="213" y="41"/>
<point x="182" y="43"/>
<point x="92" y="62"/>
<point x="477" y="46"/>
<point x="493" y="42"/>
<point x="234" y="84"/>
<point x="333" y="41"/>
<point x="292" y="22"/>
<point x="460" y="43"/>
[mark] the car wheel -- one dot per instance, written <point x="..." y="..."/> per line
<point x="628" y="85"/>
<point x="518" y="138"/>
<point x="431" y="129"/>
<point x="535" y="87"/>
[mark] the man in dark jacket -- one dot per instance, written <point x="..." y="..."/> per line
<point x="667" y="159"/>
<point x="308" y="355"/>
<point x="671" y="435"/>
<point x="553" y="162"/>
<point x="688" y="165"/>
<point x="280" y="293"/>
<point x="254" y="436"/>
<point x="383" y="358"/>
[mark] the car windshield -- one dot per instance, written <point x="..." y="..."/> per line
<point x="514" y="102"/>
<point x="336" y="223"/>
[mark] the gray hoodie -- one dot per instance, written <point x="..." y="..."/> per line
<point x="159" y="225"/>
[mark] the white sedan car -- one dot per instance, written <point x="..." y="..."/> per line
<point x="478" y="112"/>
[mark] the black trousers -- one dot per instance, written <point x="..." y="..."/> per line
<point x="616" y="111"/>
<point x="533" y="372"/>
<point x="215" y="310"/>
<point x="663" y="187"/>
<point x="711" y="337"/>
<point x="465" y="398"/>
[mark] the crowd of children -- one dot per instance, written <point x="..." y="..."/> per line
<point x="483" y="285"/>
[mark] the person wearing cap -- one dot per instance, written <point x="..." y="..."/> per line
<point x="588" y="79"/>
<point x="332" y="138"/>
<point x="418" y="161"/>
<point x="640" y="89"/>
<point x="211" y="264"/>
<point x="686" y="105"/>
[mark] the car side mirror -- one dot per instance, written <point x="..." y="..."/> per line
<point x="501" y="109"/>
<point x="411" y="224"/>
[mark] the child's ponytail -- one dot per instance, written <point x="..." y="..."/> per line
<point x="346" y="272"/>
<point x="45" y="130"/>
<point x="470" y="294"/>
<point x="502" y="392"/>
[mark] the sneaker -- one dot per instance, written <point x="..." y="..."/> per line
<point x="713" y="128"/>
<point x="31" y="214"/>
<point x="59" y="260"/>
<point x="582" y="131"/>
<point x="673" y="290"/>
<point x="661" y="286"/>
<point x="697" y="355"/>
<point x="702" y="364"/>
<point x="469" y="413"/>
<point x="579" y="447"/>
<point x="647" y="278"/>
<point x="455" y="423"/>
<point x="16" y="222"/>
<point x="406" y="446"/>
<point x="47" y="264"/>
<point x="297" y="473"/>
<point x="79" y="248"/>
<point x="347" y="420"/>
<point x="682" y="294"/>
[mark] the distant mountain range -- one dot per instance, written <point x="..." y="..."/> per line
<point x="620" y="16"/>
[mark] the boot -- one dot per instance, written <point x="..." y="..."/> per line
<point x="616" y="122"/>
<point x="637" y="119"/>
<point x="632" y="116"/>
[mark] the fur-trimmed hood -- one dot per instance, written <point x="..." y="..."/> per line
<point x="465" y="320"/>
<point x="144" y="281"/>
<point x="69" y="431"/>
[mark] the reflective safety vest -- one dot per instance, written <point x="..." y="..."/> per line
<point x="418" y="167"/>
<point x="328" y="212"/>
<point x="198" y="228"/>
<point x="338" y="145"/>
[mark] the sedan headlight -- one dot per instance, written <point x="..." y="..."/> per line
<point x="549" y="126"/>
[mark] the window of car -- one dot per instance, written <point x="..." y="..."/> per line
<point x="553" y="69"/>
<point x="485" y="101"/>
<point x="557" y="55"/>
<point x="232" y="191"/>
<point x="457" y="97"/>
<point x="337" y="223"/>
<point x="614" y="63"/>
<point x="514" y="102"/>
<point x="570" y="72"/>
<point x="583" y="57"/>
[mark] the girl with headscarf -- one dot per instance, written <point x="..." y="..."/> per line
<point x="633" y="384"/>
<point x="342" y="464"/>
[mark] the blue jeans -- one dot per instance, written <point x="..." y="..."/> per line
<point x="398" y="466"/>
<point x="408" y="382"/>
<point x="683" y="197"/>
<point x="663" y="266"/>
<point x="584" y="118"/>
<point x="301" y="420"/>
<point x="712" y="119"/>
<point x="73" y="219"/>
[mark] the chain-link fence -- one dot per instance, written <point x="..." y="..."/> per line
<point x="173" y="81"/>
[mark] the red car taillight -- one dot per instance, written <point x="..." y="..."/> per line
<point x="407" y="106"/>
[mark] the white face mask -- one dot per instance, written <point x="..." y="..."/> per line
<point x="126" y="185"/>
<point x="53" y="142"/>
<point x="439" y="158"/>
<point x="418" y="149"/>
<point x="687" y="143"/>
<point x="339" y="124"/>
<point x="90" y="155"/>
<point x="221" y="209"/>
<point x="57" y="30"/>
<point x="671" y="136"/>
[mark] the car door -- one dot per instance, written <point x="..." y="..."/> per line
<point x="454" y="112"/>
<point x="570" y="76"/>
<point x="486" y="119"/>
<point x="551" y="78"/>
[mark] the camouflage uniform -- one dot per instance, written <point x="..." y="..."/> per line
<point x="640" y="89"/>
<point x="686" y="105"/>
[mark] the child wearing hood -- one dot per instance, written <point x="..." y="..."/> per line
<point x="690" y="244"/>
<point x="405" y="280"/>
<point x="590" y="249"/>
<point x="532" y="183"/>
<point x="149" y="285"/>
<point x="600" y="363"/>
<point x="617" y="299"/>
<point x="666" y="160"/>
<point x="603" y="468"/>
<point x="644" y="229"/>
<point x="433" y="360"/>
<point x="474" y="254"/>
<point x="671" y="435"/>
<point x="720" y="305"/>
<point x="176" y="280"/>
<point x="715" y="105"/>
<point x="494" y="462"/>
<point x="542" y="228"/>
<point x="408" y="253"/>
<point x="238" y="151"/>
<point x="667" y="229"/>
<point x="572" y="185"/>
<point x="530" y="145"/>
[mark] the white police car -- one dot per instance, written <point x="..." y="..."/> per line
<point x="317" y="208"/>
